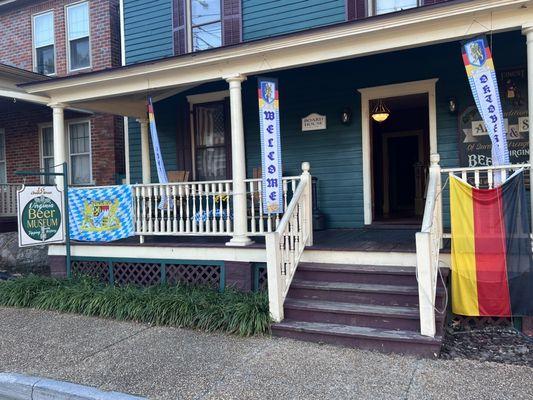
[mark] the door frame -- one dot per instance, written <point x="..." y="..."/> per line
<point x="395" y="90"/>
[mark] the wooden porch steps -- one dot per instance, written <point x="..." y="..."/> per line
<point x="366" y="306"/>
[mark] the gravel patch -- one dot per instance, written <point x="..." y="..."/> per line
<point x="498" y="344"/>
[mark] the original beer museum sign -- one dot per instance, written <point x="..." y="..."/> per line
<point x="474" y="141"/>
<point x="40" y="215"/>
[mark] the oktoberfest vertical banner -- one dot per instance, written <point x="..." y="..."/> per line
<point x="270" y="145"/>
<point x="161" y="171"/>
<point x="479" y="66"/>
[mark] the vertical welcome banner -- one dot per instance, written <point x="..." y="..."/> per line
<point x="270" y="145"/>
<point x="479" y="66"/>
<point x="161" y="171"/>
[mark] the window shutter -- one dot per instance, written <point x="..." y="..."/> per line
<point x="356" y="9"/>
<point x="179" y="26"/>
<point x="231" y="22"/>
<point x="183" y="136"/>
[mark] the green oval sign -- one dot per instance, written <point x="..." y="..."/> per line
<point x="41" y="218"/>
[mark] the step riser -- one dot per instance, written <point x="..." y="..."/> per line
<point x="404" y="347"/>
<point x="351" y="277"/>
<point x="370" y="321"/>
<point x="382" y="299"/>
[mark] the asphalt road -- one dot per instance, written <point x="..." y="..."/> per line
<point x="170" y="363"/>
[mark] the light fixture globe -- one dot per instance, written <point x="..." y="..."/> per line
<point x="380" y="112"/>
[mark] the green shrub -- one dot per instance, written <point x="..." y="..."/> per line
<point x="186" y="306"/>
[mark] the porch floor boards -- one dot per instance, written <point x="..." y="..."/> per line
<point x="363" y="239"/>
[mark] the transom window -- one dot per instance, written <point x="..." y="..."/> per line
<point x="43" y="44"/>
<point x="3" y="164"/>
<point x="206" y="24"/>
<point x="47" y="153"/>
<point x="210" y="141"/>
<point x="78" y="36"/>
<point x="387" y="6"/>
<point x="80" y="153"/>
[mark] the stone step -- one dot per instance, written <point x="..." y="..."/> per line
<point x="355" y="314"/>
<point x="384" y="340"/>
<point x="362" y="293"/>
<point x="352" y="273"/>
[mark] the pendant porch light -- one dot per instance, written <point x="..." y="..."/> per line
<point x="380" y="112"/>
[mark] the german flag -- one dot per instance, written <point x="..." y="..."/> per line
<point x="491" y="249"/>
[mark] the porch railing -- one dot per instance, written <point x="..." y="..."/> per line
<point x="429" y="240"/>
<point x="202" y="208"/>
<point x="8" y="199"/>
<point x="286" y="244"/>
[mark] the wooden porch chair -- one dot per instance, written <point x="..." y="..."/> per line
<point x="178" y="176"/>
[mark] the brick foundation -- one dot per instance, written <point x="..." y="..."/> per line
<point x="58" y="266"/>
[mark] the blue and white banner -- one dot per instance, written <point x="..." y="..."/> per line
<point x="270" y="146"/>
<point x="479" y="66"/>
<point x="101" y="214"/>
<point x="161" y="171"/>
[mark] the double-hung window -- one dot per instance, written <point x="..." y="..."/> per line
<point x="3" y="165"/>
<point x="80" y="152"/>
<point x="206" y="24"/>
<point x="47" y="153"/>
<point x="387" y="6"/>
<point x="43" y="43"/>
<point x="78" y="32"/>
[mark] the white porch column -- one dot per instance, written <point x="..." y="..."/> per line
<point x="528" y="31"/>
<point x="60" y="151"/>
<point x="238" y="164"/>
<point x="145" y="151"/>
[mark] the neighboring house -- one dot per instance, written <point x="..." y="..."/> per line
<point x="42" y="40"/>
<point x="355" y="282"/>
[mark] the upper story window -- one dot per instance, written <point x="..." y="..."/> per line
<point x="206" y="25"/>
<point x="43" y="43"/>
<point x="79" y="54"/>
<point x="387" y="6"/>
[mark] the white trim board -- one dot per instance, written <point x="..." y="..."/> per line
<point x="379" y="92"/>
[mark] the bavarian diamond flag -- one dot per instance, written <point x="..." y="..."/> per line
<point x="101" y="214"/>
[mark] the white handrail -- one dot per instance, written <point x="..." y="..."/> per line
<point x="286" y="244"/>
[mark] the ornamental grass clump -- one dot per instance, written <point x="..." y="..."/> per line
<point x="186" y="306"/>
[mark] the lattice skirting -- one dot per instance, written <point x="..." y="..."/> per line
<point x="148" y="273"/>
<point x="260" y="277"/>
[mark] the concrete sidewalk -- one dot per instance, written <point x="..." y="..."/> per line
<point x="169" y="363"/>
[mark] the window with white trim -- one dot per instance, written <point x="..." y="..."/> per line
<point x="206" y="24"/>
<point x="388" y="6"/>
<point x="44" y="44"/>
<point x="78" y="40"/>
<point x="47" y="153"/>
<point x="80" y="152"/>
<point x="3" y="163"/>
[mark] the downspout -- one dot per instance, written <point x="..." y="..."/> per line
<point x="123" y="62"/>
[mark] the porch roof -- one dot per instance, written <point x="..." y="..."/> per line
<point x="11" y="77"/>
<point x="122" y="90"/>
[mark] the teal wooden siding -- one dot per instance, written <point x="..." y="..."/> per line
<point x="335" y="154"/>
<point x="269" y="18"/>
<point x="147" y="29"/>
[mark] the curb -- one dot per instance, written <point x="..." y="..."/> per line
<point x="23" y="387"/>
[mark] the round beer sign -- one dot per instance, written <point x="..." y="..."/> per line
<point x="41" y="218"/>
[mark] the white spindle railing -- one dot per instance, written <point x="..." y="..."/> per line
<point x="286" y="244"/>
<point x="429" y="239"/>
<point x="202" y="208"/>
<point x="8" y="199"/>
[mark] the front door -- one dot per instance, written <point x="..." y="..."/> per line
<point x="400" y="148"/>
